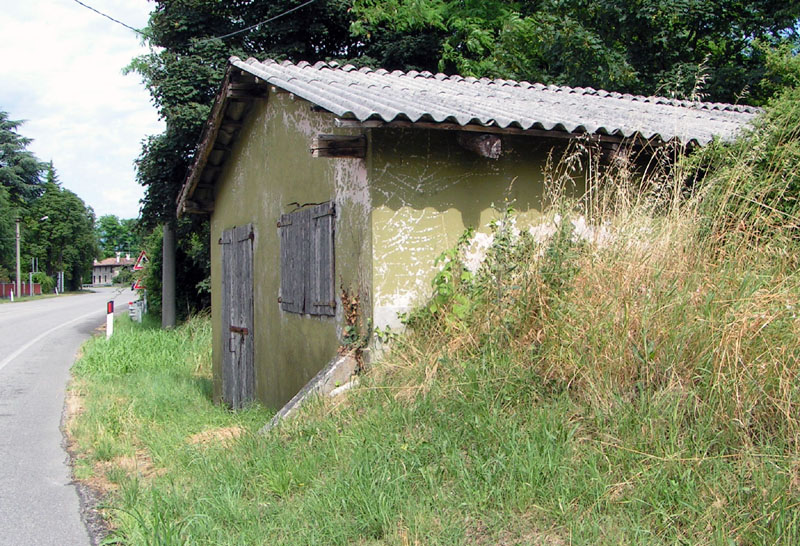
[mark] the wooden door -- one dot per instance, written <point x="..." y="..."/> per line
<point x="238" y="363"/>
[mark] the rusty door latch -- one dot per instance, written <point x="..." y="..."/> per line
<point x="237" y="330"/>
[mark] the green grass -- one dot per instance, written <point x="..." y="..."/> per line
<point x="638" y="390"/>
<point x="471" y="444"/>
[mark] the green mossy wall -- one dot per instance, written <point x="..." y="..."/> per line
<point x="269" y="168"/>
<point x="426" y="190"/>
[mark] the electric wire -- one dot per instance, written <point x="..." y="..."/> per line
<point x="246" y="29"/>
<point x="136" y="30"/>
<point x="251" y="27"/>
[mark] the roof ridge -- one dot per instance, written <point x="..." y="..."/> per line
<point x="522" y="84"/>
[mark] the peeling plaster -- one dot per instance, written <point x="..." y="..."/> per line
<point x="426" y="190"/>
<point x="302" y="119"/>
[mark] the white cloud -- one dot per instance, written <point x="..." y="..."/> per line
<point x="62" y="72"/>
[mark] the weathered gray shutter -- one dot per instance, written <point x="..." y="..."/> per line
<point x="292" y="263"/>
<point x="238" y="362"/>
<point x="307" y="261"/>
<point x="321" y="281"/>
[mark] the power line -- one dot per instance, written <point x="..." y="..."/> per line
<point x="251" y="27"/>
<point x="136" y="30"/>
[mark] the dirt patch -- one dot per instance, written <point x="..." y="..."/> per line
<point x="139" y="465"/>
<point x="525" y="532"/>
<point x="216" y="436"/>
<point x="73" y="407"/>
<point x="97" y="525"/>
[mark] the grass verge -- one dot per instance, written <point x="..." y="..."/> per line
<point x="652" y="400"/>
<point x="637" y="385"/>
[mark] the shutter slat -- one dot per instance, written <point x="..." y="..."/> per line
<point x="228" y="260"/>
<point x="322" y="283"/>
<point x="291" y="265"/>
<point x="247" y="388"/>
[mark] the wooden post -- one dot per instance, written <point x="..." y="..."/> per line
<point x="168" y="278"/>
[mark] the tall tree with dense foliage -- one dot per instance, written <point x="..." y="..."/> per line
<point x="20" y="185"/>
<point x="6" y="234"/>
<point x="60" y="232"/>
<point x="19" y="168"/>
<point x="686" y="48"/>
<point x="116" y="235"/>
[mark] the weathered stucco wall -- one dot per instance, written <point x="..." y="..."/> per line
<point x="270" y="168"/>
<point x="426" y="190"/>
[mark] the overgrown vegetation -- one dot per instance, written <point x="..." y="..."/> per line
<point x="713" y="50"/>
<point x="626" y="372"/>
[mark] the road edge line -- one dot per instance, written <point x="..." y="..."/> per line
<point x="41" y="336"/>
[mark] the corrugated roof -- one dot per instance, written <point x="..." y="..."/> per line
<point x="379" y="97"/>
<point x="365" y="94"/>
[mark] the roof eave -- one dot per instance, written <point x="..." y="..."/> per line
<point x="237" y="91"/>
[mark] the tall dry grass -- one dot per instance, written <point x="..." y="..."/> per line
<point x="668" y="278"/>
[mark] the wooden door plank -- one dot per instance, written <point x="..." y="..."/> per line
<point x="225" y="315"/>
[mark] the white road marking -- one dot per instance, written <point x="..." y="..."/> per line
<point x="40" y="337"/>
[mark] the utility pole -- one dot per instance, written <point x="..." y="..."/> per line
<point x="19" y="270"/>
<point x="168" y="277"/>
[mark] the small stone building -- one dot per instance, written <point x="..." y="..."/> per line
<point x="330" y="185"/>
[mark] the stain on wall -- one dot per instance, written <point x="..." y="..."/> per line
<point x="426" y="190"/>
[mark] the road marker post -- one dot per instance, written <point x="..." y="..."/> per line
<point x="109" y="319"/>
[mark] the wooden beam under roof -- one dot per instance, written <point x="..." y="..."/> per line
<point x="339" y="146"/>
<point x="474" y="127"/>
<point x="196" y="206"/>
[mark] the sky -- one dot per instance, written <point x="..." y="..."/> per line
<point x="61" y="71"/>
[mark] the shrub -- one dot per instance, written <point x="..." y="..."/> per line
<point x="752" y="188"/>
<point x="48" y="283"/>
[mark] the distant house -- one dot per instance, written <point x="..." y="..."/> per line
<point x="105" y="271"/>
<point x="327" y="182"/>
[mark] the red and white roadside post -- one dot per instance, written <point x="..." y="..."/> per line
<point x="109" y="319"/>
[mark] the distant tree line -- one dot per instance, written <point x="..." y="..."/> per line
<point x="58" y="231"/>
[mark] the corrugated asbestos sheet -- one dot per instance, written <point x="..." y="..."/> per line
<point x="366" y="94"/>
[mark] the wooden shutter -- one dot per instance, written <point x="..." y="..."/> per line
<point x="292" y="263"/>
<point x="307" y="261"/>
<point x="321" y="281"/>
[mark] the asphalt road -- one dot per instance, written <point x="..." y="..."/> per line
<point x="38" y="341"/>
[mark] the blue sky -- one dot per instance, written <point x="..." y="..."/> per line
<point x="62" y="72"/>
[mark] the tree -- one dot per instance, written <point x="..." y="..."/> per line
<point x="19" y="168"/>
<point x="20" y="185"/>
<point x="685" y="48"/>
<point x="115" y="235"/>
<point x="60" y="232"/>
<point x="7" y="236"/>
